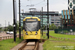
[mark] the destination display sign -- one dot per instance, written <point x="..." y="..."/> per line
<point x="31" y="19"/>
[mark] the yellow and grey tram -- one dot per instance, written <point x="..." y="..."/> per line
<point x="31" y="28"/>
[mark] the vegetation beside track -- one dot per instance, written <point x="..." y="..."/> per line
<point x="44" y="36"/>
<point x="53" y="44"/>
<point x="58" y="44"/>
<point x="52" y="33"/>
<point x="9" y="43"/>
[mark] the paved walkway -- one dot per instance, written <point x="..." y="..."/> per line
<point x="41" y="46"/>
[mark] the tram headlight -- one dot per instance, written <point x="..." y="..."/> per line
<point x="26" y="33"/>
<point x="36" y="33"/>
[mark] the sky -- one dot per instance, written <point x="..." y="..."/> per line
<point x="6" y="8"/>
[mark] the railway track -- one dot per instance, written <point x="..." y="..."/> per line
<point x="30" y="45"/>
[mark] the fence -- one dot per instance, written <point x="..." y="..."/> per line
<point x="8" y="37"/>
<point x="65" y="31"/>
<point x="59" y="38"/>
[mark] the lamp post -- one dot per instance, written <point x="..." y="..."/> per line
<point x="71" y="31"/>
<point x="61" y="23"/>
<point x="42" y="21"/>
<point x="5" y="25"/>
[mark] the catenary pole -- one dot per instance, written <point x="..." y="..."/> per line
<point x="14" y="18"/>
<point x="48" y="18"/>
<point x="19" y="22"/>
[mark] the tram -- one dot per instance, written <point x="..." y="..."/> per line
<point x="31" y="28"/>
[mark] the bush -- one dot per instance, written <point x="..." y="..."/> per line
<point x="65" y="31"/>
<point x="5" y="29"/>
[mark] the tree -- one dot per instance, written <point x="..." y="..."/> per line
<point x="10" y="28"/>
<point x="44" y="27"/>
<point x="5" y="29"/>
<point x="52" y="27"/>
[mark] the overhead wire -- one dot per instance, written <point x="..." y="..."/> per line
<point x="45" y="4"/>
<point x="34" y="4"/>
<point x="39" y="3"/>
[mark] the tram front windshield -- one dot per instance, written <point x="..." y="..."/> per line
<point x="31" y="25"/>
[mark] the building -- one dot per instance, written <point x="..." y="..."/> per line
<point x="68" y="16"/>
<point x="56" y="20"/>
<point x="54" y="17"/>
<point x="71" y="4"/>
<point x="68" y="19"/>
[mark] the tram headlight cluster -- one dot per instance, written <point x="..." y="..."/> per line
<point x="26" y="33"/>
<point x="36" y="33"/>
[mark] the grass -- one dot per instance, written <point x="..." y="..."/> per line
<point x="52" y="33"/>
<point x="57" y="44"/>
<point x="51" y="44"/>
<point x="9" y="43"/>
<point x="44" y="36"/>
